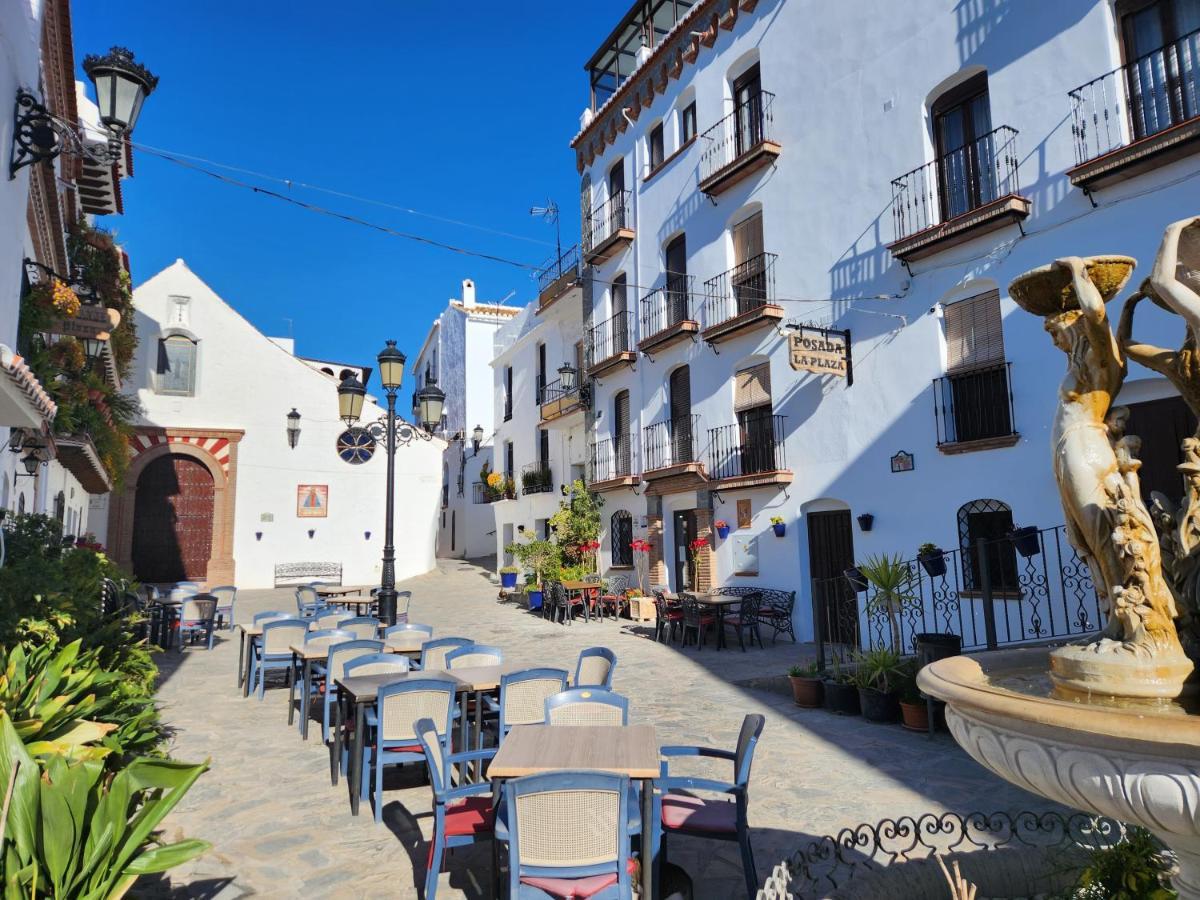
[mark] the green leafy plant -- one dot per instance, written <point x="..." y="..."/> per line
<point x="1134" y="869"/>
<point x="892" y="580"/>
<point x="509" y="570"/>
<point x="70" y="831"/>
<point x="776" y="520"/>
<point x="928" y="549"/>
<point x="880" y="670"/>
<point x="812" y="670"/>
<point x="577" y="523"/>
<point x="543" y="558"/>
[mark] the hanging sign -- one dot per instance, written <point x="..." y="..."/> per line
<point x="824" y="351"/>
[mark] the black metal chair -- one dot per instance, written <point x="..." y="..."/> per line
<point x="667" y="618"/>
<point x="746" y="619"/>
<point x="696" y="618"/>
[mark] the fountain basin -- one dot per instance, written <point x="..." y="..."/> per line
<point x="1136" y="761"/>
<point x="1047" y="290"/>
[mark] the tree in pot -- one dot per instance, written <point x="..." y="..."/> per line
<point x="544" y="558"/>
<point x="806" y="685"/>
<point x="878" y="675"/>
<point x="892" y="579"/>
<point x="508" y="577"/>
<point x="932" y="559"/>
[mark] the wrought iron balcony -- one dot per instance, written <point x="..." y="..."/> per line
<point x="739" y="145"/>
<point x="558" y="401"/>
<point x="609" y="228"/>
<point x="750" y="452"/>
<point x="480" y="493"/>
<point x="557" y="277"/>
<point x="742" y="298"/>
<point x="611" y="344"/>
<point x="613" y="463"/>
<point x="1138" y="116"/>
<point x="974" y="409"/>
<point x="536" y="478"/>
<point x="969" y="191"/>
<point x="671" y="442"/>
<point x="669" y="313"/>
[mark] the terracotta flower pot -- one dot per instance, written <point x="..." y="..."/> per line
<point x="807" y="692"/>
<point x="914" y="716"/>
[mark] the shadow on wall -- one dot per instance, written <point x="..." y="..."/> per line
<point x="995" y="33"/>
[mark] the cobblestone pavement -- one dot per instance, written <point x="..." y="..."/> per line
<point x="279" y="829"/>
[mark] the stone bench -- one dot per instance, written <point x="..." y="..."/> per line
<point x="294" y="573"/>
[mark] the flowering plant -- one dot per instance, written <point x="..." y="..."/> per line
<point x="720" y="523"/>
<point x="495" y="480"/>
<point x="640" y="546"/>
<point x="698" y="544"/>
<point x="776" y="520"/>
<point x="64" y="300"/>
<point x="641" y="561"/>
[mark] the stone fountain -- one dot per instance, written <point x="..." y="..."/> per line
<point x="1113" y="729"/>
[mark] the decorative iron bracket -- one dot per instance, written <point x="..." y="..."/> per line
<point x="40" y="137"/>
<point x="404" y="432"/>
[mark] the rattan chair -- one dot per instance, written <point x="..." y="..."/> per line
<point x="226" y="595"/>
<point x="474" y="655"/>
<point x="307" y="602"/>
<point x="403" y="601"/>
<point x="568" y="836"/>
<point x="363" y="627"/>
<point x="587" y="706"/>
<point x="523" y="698"/>
<point x="595" y="668"/>
<point x="376" y="664"/>
<point x="427" y="630"/>
<point x="334" y="668"/>
<point x="274" y="651"/>
<point x="461" y="815"/>
<point x="433" y="653"/>
<point x="329" y="618"/>
<point x="180" y="593"/>
<point x="197" y="616"/>
<point x="682" y="812"/>
<point x="745" y="620"/>
<point x="398" y="707"/>
<point x="272" y="614"/>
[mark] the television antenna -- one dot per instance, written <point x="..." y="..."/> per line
<point x="549" y="213"/>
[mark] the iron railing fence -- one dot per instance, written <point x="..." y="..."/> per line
<point x="974" y="405"/>
<point x="671" y="442"/>
<point x="1141" y="98"/>
<point x="990" y="594"/>
<point x="554" y="390"/>
<point x="606" y="220"/>
<point x="754" y="445"/>
<point x="956" y="183"/>
<point x="749" y="125"/>
<point x="674" y="302"/>
<point x="744" y="288"/>
<point x="536" y="478"/>
<point x="565" y="264"/>
<point x="479" y="493"/>
<point x="612" y="336"/>
<point x="614" y="457"/>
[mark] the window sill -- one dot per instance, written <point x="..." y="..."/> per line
<point x="621" y="568"/>
<point x="670" y="159"/>
<point x="991" y="443"/>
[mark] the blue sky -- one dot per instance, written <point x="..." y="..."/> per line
<point x="460" y="110"/>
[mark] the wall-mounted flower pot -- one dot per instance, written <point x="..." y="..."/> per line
<point x="934" y="564"/>
<point x="535" y="599"/>
<point x="258" y="535"/>
<point x="508" y="580"/>
<point x="312" y="533"/>
<point x="366" y="535"/>
<point x="866" y="521"/>
<point x="841" y="698"/>
<point x="807" y="692"/>
<point x="722" y="531"/>
<point x="878" y="706"/>
<point x="780" y="528"/>
<point x="857" y="579"/>
<point x="914" y="715"/>
<point x="1026" y="541"/>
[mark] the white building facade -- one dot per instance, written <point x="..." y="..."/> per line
<point x="881" y="174"/>
<point x="216" y="492"/>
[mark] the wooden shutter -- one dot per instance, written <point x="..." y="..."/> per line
<point x="619" y="302"/>
<point x="681" y="393"/>
<point x="974" y="332"/>
<point x="752" y="388"/>
<point x="748" y="239"/>
<point x="621" y="415"/>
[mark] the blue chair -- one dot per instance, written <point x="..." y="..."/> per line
<point x="681" y="812"/>
<point x="474" y="655"/>
<point x="226" y="595"/>
<point x="307" y="601"/>
<point x="433" y="653"/>
<point x="461" y="815"/>
<point x="376" y="664"/>
<point x="328" y="618"/>
<point x="407" y="626"/>
<point x="363" y="627"/>
<point x="544" y="831"/>
<point x="274" y="651"/>
<point x="197" y="616"/>
<point x="272" y="614"/>
<point x="334" y="668"/>
<point x="195" y="585"/>
<point x="179" y="594"/>
<point x="523" y="697"/>
<point x="403" y="601"/>
<point x="393" y="720"/>
<point x="595" y="668"/>
<point x="587" y="706"/>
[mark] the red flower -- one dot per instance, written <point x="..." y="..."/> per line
<point x="698" y="544"/>
<point x="640" y="546"/>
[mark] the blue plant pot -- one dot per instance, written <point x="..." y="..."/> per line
<point x="723" y="532"/>
<point x="535" y="599"/>
<point x="508" y="579"/>
<point x="780" y="529"/>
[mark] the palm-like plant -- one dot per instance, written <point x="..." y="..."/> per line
<point x="892" y="579"/>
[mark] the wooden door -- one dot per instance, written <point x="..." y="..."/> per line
<point x="748" y="111"/>
<point x="830" y="553"/>
<point x="616" y="197"/>
<point x="685" y="533"/>
<point x="681" y="416"/>
<point x="173" y="521"/>
<point x="1162" y="425"/>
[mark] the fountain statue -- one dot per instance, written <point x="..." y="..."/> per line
<point x="1113" y="732"/>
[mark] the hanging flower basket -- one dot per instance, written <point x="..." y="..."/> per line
<point x="722" y="528"/>
<point x="779" y="525"/>
<point x="1026" y="540"/>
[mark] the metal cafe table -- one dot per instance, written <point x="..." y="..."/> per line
<point x="338" y="595"/>
<point x="630" y="750"/>
<point x="719" y="602"/>
<point x="589" y="592"/>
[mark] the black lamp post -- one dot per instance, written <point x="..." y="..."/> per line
<point x="429" y="401"/>
<point x="293" y="428"/>
<point x="477" y="438"/>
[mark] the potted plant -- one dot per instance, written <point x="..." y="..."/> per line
<point x="508" y="577"/>
<point x="1027" y="540"/>
<point x="533" y="595"/>
<point x="840" y="695"/>
<point x="543" y="558"/>
<point x="932" y="559"/>
<point x="892" y="579"/>
<point x="779" y="525"/>
<point x="806" y="685"/>
<point x="914" y="710"/>
<point x="722" y="528"/>
<point x="879" y="676"/>
<point x="857" y="580"/>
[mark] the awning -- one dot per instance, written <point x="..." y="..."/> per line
<point x="77" y="454"/>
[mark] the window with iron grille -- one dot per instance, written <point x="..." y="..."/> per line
<point x="991" y="521"/>
<point x="621" y="538"/>
<point x="975" y="399"/>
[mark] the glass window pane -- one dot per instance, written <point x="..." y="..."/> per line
<point x="176" y="366"/>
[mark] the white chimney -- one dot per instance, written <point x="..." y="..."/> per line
<point x="468" y="292"/>
<point x="585" y="118"/>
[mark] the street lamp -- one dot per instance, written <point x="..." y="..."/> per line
<point x="566" y="377"/>
<point x="122" y="85"/>
<point x="429" y="401"/>
<point x="31" y="462"/>
<point x="477" y="438"/>
<point x="93" y="347"/>
<point x="293" y="428"/>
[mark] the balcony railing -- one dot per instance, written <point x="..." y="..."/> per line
<point x="613" y="458"/>
<point x="974" y="405"/>
<point x="957" y="183"/>
<point x="1142" y="98"/>
<point x="558" y="268"/>
<point x="744" y="288"/>
<point x="737" y="135"/>
<point x="479" y="493"/>
<point x="555" y="391"/>
<point x="669" y="305"/>
<point x="612" y="336"/>
<point x="671" y="442"/>
<point x="536" y="478"/>
<point x="751" y="447"/>
<point x="606" y="221"/>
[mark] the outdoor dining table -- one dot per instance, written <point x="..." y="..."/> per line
<point x="341" y="596"/>
<point x="630" y="750"/>
<point x="248" y="631"/>
<point x="720" y="602"/>
<point x="588" y="590"/>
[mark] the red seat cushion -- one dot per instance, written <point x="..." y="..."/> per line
<point x="686" y="813"/>
<point x="470" y="815"/>
<point x="405" y="748"/>
<point x="577" y="888"/>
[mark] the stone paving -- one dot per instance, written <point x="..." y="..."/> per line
<point x="279" y="829"/>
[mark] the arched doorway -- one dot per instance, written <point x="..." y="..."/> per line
<point x="173" y="520"/>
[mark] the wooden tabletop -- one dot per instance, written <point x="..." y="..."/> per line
<point x="536" y="749"/>
<point x="581" y="585"/>
<point x="715" y="599"/>
<point x="338" y="590"/>
<point x="364" y="688"/>
<point x="483" y="678"/>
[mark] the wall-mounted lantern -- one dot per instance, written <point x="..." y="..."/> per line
<point x="293" y="428"/>
<point x="477" y="438"/>
<point x="566" y="377"/>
